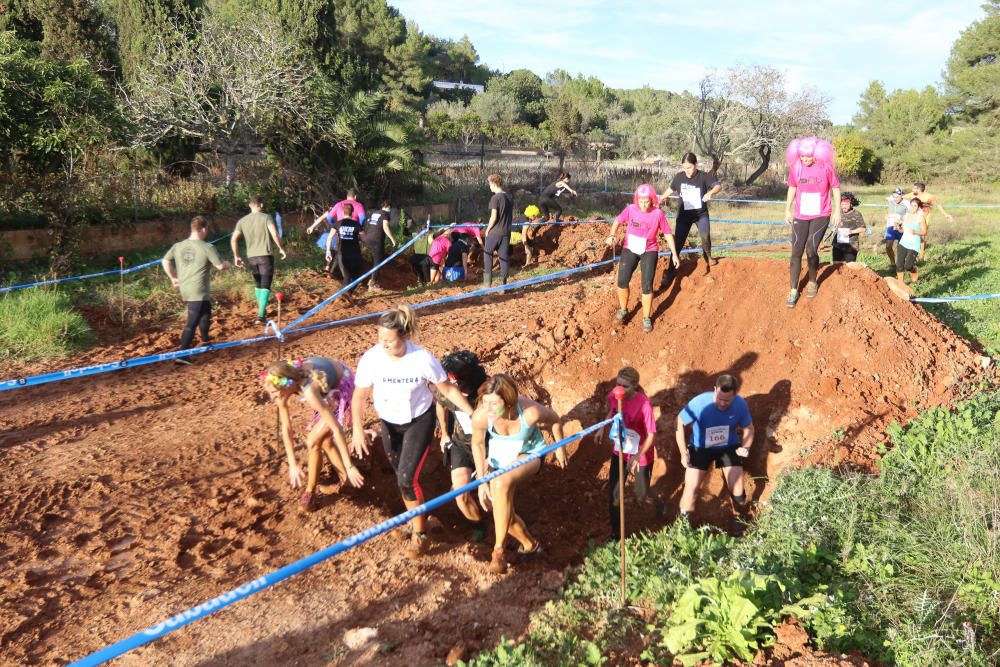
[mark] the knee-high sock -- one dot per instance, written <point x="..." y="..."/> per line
<point x="262" y="296"/>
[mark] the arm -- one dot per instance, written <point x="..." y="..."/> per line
<point x="315" y="224"/>
<point x="647" y="445"/>
<point x="789" y="204"/>
<point x="711" y="193"/>
<point x="743" y="450"/>
<point x="835" y="213"/>
<point x="614" y="233"/>
<point x="565" y="186"/>
<point x="273" y="230"/>
<point x="317" y="403"/>
<point x="442" y="424"/>
<point x="546" y="416"/>
<point x="168" y="268"/>
<point x="666" y="194"/>
<point x="386" y="227"/>
<point x="922" y="232"/>
<point x="234" y="244"/>
<point x="492" y="222"/>
<point x="358" y="404"/>
<point x="674" y="257"/>
<point x="682" y="447"/>
<point x="296" y="475"/>
<point x="329" y="242"/>
<point x="946" y="214"/>
<point x="479" y="423"/>
<point x="452" y="393"/>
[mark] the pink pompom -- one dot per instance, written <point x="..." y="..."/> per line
<point x="807" y="146"/>
<point x="792" y="153"/>
<point x="824" y="152"/>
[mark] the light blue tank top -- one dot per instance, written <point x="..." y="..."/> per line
<point x="504" y="449"/>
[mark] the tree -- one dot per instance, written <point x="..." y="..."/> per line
<point x="901" y="117"/>
<point x="972" y="75"/>
<point x="524" y="87"/>
<point x="65" y="30"/>
<point x="856" y="157"/>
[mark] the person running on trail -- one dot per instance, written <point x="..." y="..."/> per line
<point x="261" y="236"/>
<point x="695" y="188"/>
<point x="377" y="230"/>
<point x="463" y="368"/>
<point x="643" y="221"/>
<point x="928" y="202"/>
<point x="336" y="212"/>
<point x="456" y="262"/>
<point x="914" y="230"/>
<point x="322" y="384"/>
<point x="639" y="452"/>
<point x="552" y="197"/>
<point x="513" y="424"/>
<point x="194" y="259"/>
<point x="813" y="186"/>
<point x="348" y="254"/>
<point x="847" y="236"/>
<point x="894" y="225"/>
<point x="395" y="374"/>
<point x="498" y="231"/>
<point x="714" y="417"/>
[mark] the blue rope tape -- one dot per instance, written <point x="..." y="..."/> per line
<point x="246" y="590"/>
<point x="950" y="299"/>
<point x="112" y="272"/>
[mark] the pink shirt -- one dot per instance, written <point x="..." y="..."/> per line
<point x="469" y="229"/>
<point x="439" y="248"/>
<point x="337" y="211"/>
<point x="638" y="414"/>
<point x="813" y="185"/>
<point x="642" y="226"/>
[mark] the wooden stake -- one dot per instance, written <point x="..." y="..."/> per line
<point x="619" y="394"/>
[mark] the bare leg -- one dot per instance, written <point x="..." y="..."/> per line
<point x="504" y="519"/>
<point x="692" y="480"/>
<point x="734" y="479"/>
<point x="647" y="305"/>
<point x="467" y="504"/>
<point x="623" y="298"/>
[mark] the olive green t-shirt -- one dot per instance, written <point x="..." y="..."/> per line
<point x="193" y="261"/>
<point x="253" y="227"/>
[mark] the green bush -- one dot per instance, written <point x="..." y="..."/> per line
<point x="37" y="323"/>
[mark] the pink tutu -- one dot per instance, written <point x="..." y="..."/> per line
<point x="339" y="396"/>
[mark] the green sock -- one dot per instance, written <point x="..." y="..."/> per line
<point x="262" y="296"/>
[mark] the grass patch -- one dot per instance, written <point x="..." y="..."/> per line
<point x="40" y="323"/>
<point x="903" y="567"/>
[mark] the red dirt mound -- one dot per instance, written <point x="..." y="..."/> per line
<point x="131" y="496"/>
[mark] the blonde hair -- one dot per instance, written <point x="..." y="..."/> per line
<point x="400" y="319"/>
<point x="503" y="386"/>
<point x="286" y="369"/>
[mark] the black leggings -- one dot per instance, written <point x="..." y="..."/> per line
<point x="906" y="259"/>
<point x="682" y="227"/>
<point x="262" y="269"/>
<point x="421" y="265"/>
<point x="407" y="445"/>
<point x="378" y="255"/>
<point x="647" y="267"/>
<point x="199" y="316"/>
<point x="496" y="244"/>
<point x="549" y="204"/>
<point x="806" y="236"/>
<point x="640" y="484"/>
<point x="350" y="267"/>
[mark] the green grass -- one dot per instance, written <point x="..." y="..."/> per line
<point x="40" y="323"/>
<point x="903" y="566"/>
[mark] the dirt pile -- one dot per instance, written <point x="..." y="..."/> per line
<point x="129" y="497"/>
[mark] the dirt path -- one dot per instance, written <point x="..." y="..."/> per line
<point x="131" y="496"/>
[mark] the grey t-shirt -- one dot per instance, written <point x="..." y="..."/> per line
<point x="254" y="228"/>
<point x="193" y="260"/>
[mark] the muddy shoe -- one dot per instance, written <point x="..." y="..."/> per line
<point x="647" y="324"/>
<point x="498" y="563"/>
<point x="417" y="547"/>
<point x="478" y="533"/>
<point x="308" y="502"/>
<point x="793" y="298"/>
<point x="621" y="315"/>
<point x="811" y="289"/>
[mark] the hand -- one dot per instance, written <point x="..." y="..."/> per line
<point x="835" y="218"/>
<point x="675" y="257"/>
<point x="707" y="197"/>
<point x="742" y="452"/>
<point x="951" y="218"/>
<point x="610" y="240"/>
<point x="633" y="464"/>
<point x="296" y="476"/>
<point x="355" y="477"/>
<point x="686" y="461"/>
<point x="225" y="265"/>
<point x="561" y="459"/>
<point x="485" y="497"/>
<point x="238" y="261"/>
<point x="599" y="438"/>
<point x="175" y="282"/>
<point x="329" y="257"/>
<point x="445" y="441"/>
<point x="283" y="253"/>
<point x="789" y="218"/>
<point x="359" y="444"/>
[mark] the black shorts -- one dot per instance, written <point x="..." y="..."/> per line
<point x="460" y="456"/>
<point x="844" y="254"/>
<point x="726" y="457"/>
<point x="647" y="267"/>
<point x="262" y="268"/>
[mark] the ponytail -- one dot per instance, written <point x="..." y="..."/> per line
<point x="400" y="319"/>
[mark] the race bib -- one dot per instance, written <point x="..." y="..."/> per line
<point x="631" y="442"/>
<point x="691" y="197"/>
<point x="503" y="452"/>
<point x="636" y="244"/>
<point x="464" y="421"/>
<point x="717" y="436"/>
<point x="810" y="203"/>
<point x="843" y="235"/>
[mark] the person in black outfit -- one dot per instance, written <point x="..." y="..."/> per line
<point x="498" y="231"/>
<point x="348" y="231"/>
<point x="377" y="230"/>
<point x="550" y="200"/>
<point x="456" y="262"/>
<point x="695" y="188"/>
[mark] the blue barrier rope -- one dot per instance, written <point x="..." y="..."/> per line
<point x="113" y="272"/>
<point x="950" y="299"/>
<point x="246" y="590"/>
<point x="346" y="288"/>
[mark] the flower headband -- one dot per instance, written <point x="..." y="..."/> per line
<point x="280" y="381"/>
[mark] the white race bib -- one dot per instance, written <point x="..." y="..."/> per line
<point x="636" y="244"/>
<point x="631" y="442"/>
<point x="809" y="203"/>
<point x="465" y="421"/>
<point x="717" y="436"/>
<point x="503" y="452"/>
<point x="691" y="196"/>
<point x="843" y="235"/>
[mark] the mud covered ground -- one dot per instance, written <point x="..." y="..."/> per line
<point x="131" y="496"/>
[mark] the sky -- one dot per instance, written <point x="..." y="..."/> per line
<point x="670" y="45"/>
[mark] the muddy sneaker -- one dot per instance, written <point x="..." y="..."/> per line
<point x="793" y="298"/>
<point x="647" y="324"/>
<point x="498" y="563"/>
<point x="308" y="502"/>
<point x="811" y="289"/>
<point x="417" y="547"/>
<point x="620" y="315"/>
<point x="478" y="533"/>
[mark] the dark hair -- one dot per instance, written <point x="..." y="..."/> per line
<point x="348" y="210"/>
<point x="851" y="198"/>
<point x="455" y="236"/>
<point x="198" y="223"/>
<point x="920" y="186"/>
<point x="400" y="319"/>
<point x="726" y="383"/>
<point x="256" y="201"/>
<point x="630" y="374"/>
<point x="563" y="176"/>
<point x="386" y="204"/>
<point x="468" y="373"/>
<point x="690" y="158"/>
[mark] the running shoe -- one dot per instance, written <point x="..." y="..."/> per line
<point x="498" y="563"/>
<point x="647" y="324"/>
<point x="793" y="298"/>
<point x="184" y="361"/>
<point x="308" y="502"/>
<point x="620" y="315"/>
<point x="417" y="547"/>
<point x="478" y="534"/>
<point x="811" y="289"/>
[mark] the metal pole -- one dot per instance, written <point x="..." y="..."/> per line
<point x="619" y="394"/>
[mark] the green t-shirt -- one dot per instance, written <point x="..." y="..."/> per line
<point x="253" y="227"/>
<point x="193" y="261"/>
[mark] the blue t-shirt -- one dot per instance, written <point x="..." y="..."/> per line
<point x="715" y="429"/>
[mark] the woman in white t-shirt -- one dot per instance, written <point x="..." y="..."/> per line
<point x="395" y="374"/>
